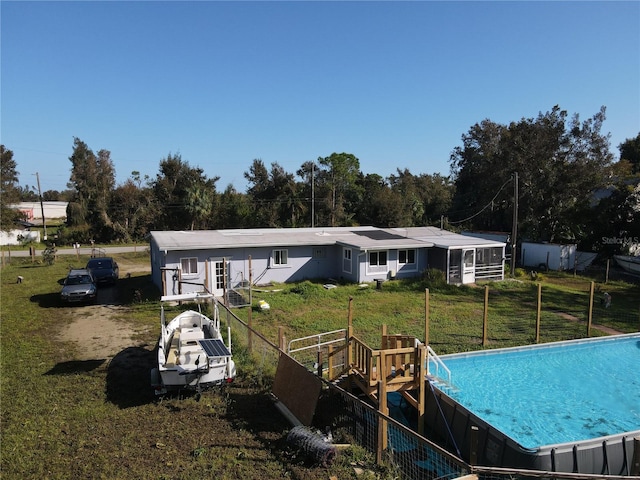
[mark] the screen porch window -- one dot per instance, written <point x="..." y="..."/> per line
<point x="280" y="257"/>
<point x="189" y="266"/>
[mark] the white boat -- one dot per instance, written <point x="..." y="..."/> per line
<point x="191" y="350"/>
<point x="628" y="263"/>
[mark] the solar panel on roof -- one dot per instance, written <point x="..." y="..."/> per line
<point x="214" y="347"/>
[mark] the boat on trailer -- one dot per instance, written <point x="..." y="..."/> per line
<point x="629" y="263"/>
<point x="192" y="354"/>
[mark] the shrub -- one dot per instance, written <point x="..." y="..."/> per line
<point x="308" y="289"/>
<point x="435" y="278"/>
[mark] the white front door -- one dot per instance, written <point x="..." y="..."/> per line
<point x="469" y="266"/>
<point x="217" y="277"/>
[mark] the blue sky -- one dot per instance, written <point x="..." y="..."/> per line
<point x="223" y="83"/>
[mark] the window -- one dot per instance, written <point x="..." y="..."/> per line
<point x="377" y="259"/>
<point x="280" y="258"/>
<point x="189" y="266"/>
<point x="469" y="256"/>
<point x="319" y="252"/>
<point x="377" y="264"/>
<point x="407" y="257"/>
<point x="346" y="260"/>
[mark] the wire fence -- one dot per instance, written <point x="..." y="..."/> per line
<point x="539" y="315"/>
<point x="354" y="419"/>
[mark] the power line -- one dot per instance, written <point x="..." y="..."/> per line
<point x="485" y="207"/>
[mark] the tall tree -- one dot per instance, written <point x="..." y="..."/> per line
<point x="9" y="192"/>
<point x="260" y="193"/>
<point x="274" y="195"/>
<point x="171" y="190"/>
<point x="199" y="204"/>
<point x="559" y="164"/>
<point x="630" y="151"/>
<point x="337" y="181"/>
<point x="133" y="210"/>
<point x="92" y="181"/>
<point x="404" y="185"/>
<point x="378" y="205"/>
<point x="306" y="191"/>
<point x="235" y="209"/>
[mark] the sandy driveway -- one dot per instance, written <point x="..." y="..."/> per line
<point x="98" y="330"/>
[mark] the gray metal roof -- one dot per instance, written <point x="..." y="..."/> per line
<point x="363" y="238"/>
<point x="445" y="239"/>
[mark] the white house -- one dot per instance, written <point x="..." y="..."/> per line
<point x="33" y="210"/>
<point x="185" y="261"/>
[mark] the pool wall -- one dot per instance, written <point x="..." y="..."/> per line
<point x="452" y="423"/>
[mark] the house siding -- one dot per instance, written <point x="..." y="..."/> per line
<point x="323" y="253"/>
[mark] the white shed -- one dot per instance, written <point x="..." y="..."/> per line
<point x="548" y="256"/>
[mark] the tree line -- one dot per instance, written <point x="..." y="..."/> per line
<point x="570" y="189"/>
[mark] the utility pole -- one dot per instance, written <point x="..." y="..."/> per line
<point x="514" y="227"/>
<point x="44" y="223"/>
<point x="313" y="197"/>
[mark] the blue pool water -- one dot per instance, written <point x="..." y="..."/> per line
<point x="553" y="393"/>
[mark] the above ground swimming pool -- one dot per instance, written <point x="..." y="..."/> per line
<point x="563" y="406"/>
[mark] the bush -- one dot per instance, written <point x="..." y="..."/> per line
<point x="520" y="273"/>
<point x="70" y="235"/>
<point x="435" y="278"/>
<point x="308" y="289"/>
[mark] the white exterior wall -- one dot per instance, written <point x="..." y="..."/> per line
<point x="19" y="237"/>
<point x="559" y="257"/>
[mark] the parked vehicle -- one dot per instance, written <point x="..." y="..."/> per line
<point x="79" y="286"/>
<point x="104" y="269"/>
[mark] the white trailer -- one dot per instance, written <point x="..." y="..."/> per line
<point x="548" y="256"/>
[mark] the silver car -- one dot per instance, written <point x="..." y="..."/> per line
<point x="79" y="286"/>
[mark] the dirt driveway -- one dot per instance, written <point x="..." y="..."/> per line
<point x="98" y="330"/>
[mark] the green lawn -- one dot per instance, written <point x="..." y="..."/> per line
<point x="64" y="418"/>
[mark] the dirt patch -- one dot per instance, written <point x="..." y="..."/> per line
<point x="97" y="334"/>
<point x="98" y="330"/>
<point x="602" y="328"/>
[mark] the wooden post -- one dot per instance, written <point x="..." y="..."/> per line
<point x="382" y="408"/>
<point x="330" y="362"/>
<point x="281" y="338"/>
<point x="421" y="375"/>
<point x="606" y="272"/>
<point x="426" y="316"/>
<point x="486" y="316"/>
<point x="224" y="281"/>
<point x="383" y="334"/>
<point x="590" y="314"/>
<point x="250" y="312"/>
<point x="538" y="313"/>
<point x="207" y="281"/>
<point x="349" y="334"/>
